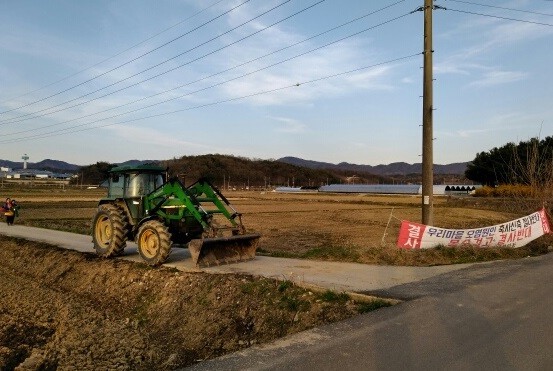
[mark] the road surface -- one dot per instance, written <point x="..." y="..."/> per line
<point x="493" y="316"/>
<point x="348" y="277"/>
<point x="487" y="317"/>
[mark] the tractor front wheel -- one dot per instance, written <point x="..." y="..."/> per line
<point x="109" y="231"/>
<point x="154" y="242"/>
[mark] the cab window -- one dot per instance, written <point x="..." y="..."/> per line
<point x="143" y="184"/>
<point x="116" y="186"/>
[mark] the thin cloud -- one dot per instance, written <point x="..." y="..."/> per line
<point x="471" y="133"/>
<point x="498" y="78"/>
<point x="153" y="137"/>
<point x="452" y="66"/>
<point x="486" y="35"/>
<point x="369" y="79"/>
<point x="509" y="121"/>
<point x="336" y="58"/>
<point x="289" y="125"/>
<point x="36" y="44"/>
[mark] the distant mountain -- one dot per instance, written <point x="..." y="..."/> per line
<point x="396" y="168"/>
<point x="53" y="165"/>
<point x="138" y="162"/>
<point x="393" y="169"/>
<point x="62" y="166"/>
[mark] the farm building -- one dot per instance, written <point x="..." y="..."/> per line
<point x="295" y="189"/>
<point x="34" y="174"/>
<point x="412" y="189"/>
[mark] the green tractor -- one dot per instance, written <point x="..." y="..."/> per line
<point x="158" y="214"/>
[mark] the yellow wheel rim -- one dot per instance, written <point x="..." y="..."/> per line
<point x="149" y="243"/>
<point x="103" y="231"/>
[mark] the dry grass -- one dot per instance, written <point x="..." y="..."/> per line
<point x="357" y="228"/>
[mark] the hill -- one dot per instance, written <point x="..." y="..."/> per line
<point x="239" y="172"/>
<point x="61" y="166"/>
<point x="242" y="172"/>
<point x="52" y="165"/>
<point x="396" y="168"/>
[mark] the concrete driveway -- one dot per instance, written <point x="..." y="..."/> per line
<point x="493" y="316"/>
<point x="349" y="277"/>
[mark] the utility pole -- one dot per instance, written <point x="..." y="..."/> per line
<point x="427" y="109"/>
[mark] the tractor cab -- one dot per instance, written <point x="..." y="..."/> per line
<point x="132" y="183"/>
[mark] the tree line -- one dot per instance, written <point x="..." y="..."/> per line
<point x="526" y="163"/>
<point x="240" y="172"/>
<point x="237" y="172"/>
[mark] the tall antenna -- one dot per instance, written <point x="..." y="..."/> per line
<point x="25" y="158"/>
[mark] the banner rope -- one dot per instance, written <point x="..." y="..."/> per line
<point x="383" y="241"/>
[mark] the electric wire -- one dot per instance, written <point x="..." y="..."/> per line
<point x="500" y="17"/>
<point x="502" y="7"/>
<point x="210" y="76"/>
<point x="132" y="60"/>
<point x="63" y="131"/>
<point x="16" y="119"/>
<point x="238" y="77"/>
<point x="116" y="55"/>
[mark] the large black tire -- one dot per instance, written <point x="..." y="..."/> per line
<point x="154" y="242"/>
<point x="109" y="231"/>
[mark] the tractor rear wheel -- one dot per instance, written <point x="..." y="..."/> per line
<point x="109" y="231"/>
<point x="154" y="242"/>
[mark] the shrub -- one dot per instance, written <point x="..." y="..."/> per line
<point x="507" y="191"/>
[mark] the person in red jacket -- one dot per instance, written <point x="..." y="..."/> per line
<point x="9" y="209"/>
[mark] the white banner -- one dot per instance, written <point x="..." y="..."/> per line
<point x="515" y="233"/>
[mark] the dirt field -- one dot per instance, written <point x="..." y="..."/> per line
<point x="354" y="228"/>
<point x="67" y="310"/>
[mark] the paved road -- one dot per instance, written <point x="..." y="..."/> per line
<point x="487" y="317"/>
<point x="494" y="316"/>
<point x="337" y="276"/>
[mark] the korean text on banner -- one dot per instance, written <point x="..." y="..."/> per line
<point x="515" y="233"/>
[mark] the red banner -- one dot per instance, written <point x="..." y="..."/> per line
<point x="515" y="233"/>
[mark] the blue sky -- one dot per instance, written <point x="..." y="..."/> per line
<point x="87" y="81"/>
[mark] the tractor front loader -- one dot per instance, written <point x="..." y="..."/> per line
<point x="160" y="214"/>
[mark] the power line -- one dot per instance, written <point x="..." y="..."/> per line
<point x="221" y="72"/>
<point x="499" y="17"/>
<point x="132" y="60"/>
<point x="503" y="8"/>
<point x="119" y="53"/>
<point x="295" y="85"/>
<point x="19" y="118"/>
<point x="238" y="77"/>
<point x="16" y="119"/>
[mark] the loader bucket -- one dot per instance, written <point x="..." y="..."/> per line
<point x="224" y="250"/>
